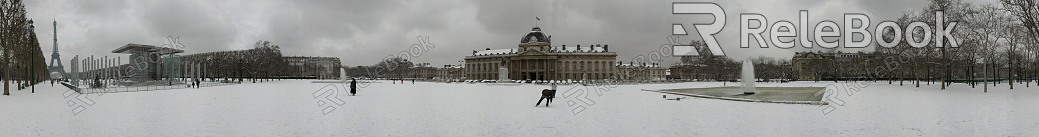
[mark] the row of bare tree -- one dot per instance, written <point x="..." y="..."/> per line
<point x="997" y="40"/>
<point x="998" y="44"/>
<point x="727" y="69"/>
<point x="263" y="62"/>
<point x="21" y="60"/>
<point x="394" y="67"/>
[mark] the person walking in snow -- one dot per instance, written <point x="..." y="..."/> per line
<point x="547" y="94"/>
<point x="353" y="86"/>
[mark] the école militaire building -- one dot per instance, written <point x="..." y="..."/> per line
<point x="535" y="58"/>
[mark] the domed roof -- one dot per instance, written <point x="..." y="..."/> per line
<point x="535" y="35"/>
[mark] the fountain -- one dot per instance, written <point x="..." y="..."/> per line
<point x="342" y="74"/>
<point x="342" y="78"/>
<point x="748" y="77"/>
<point x="748" y="92"/>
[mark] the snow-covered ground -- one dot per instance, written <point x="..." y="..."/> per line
<point x="288" y="108"/>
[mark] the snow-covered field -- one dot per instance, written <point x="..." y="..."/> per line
<point x="288" y="108"/>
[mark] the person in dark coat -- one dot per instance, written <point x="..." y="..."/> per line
<point x="353" y="86"/>
<point x="546" y="94"/>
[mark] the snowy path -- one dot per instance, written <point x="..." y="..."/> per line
<point x="287" y="108"/>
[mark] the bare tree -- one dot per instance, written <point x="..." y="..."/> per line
<point x="1027" y="12"/>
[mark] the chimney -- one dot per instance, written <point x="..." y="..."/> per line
<point x="578" y="47"/>
<point x="606" y="48"/>
<point x="474" y="52"/>
<point x="564" y="47"/>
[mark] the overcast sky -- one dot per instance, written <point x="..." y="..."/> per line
<point x="362" y="32"/>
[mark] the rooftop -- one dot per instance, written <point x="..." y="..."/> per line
<point x="132" y="47"/>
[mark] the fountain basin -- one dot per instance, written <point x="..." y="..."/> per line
<point x="791" y="95"/>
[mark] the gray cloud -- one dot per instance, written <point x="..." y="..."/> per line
<point x="361" y="32"/>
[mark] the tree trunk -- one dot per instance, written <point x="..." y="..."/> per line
<point x="901" y="79"/>
<point x="917" y="79"/>
<point x="944" y="69"/>
<point x="1010" y="62"/>
<point x="5" y="75"/>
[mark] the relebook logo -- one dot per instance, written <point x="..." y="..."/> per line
<point x="827" y="34"/>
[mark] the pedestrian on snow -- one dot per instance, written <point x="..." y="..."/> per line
<point x="547" y="94"/>
<point x="353" y="86"/>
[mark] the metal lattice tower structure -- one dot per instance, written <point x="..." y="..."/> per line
<point x="55" y="65"/>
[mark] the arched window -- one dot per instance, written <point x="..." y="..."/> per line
<point x="559" y="65"/>
<point x="582" y="66"/>
<point x="541" y="64"/>
<point x="574" y="66"/>
<point x="566" y="66"/>
<point x="596" y="64"/>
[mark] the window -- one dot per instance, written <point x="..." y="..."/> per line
<point x="541" y="65"/>
<point x="582" y="66"/>
<point x="574" y="66"/>
<point x="596" y="66"/>
<point x="559" y="65"/>
<point x="566" y="65"/>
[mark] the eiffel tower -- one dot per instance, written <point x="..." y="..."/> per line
<point x="55" y="59"/>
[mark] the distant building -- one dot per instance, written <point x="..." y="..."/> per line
<point x="688" y="71"/>
<point x="313" y="67"/>
<point x="451" y="72"/>
<point x="421" y="71"/>
<point x="640" y="72"/>
<point x="820" y="65"/>
<point x="536" y="59"/>
<point x="151" y="70"/>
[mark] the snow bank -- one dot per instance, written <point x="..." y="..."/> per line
<point x="290" y="108"/>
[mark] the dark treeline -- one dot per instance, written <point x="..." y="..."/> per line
<point x="998" y="44"/>
<point x="393" y="67"/>
<point x="263" y="62"/>
<point x="22" y="60"/>
<point x="722" y="68"/>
